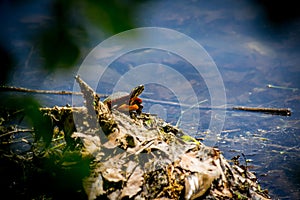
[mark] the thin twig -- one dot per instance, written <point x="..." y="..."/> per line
<point x="273" y="111"/>
<point x="231" y="130"/>
<point x="55" y="92"/>
<point x="21" y="89"/>
<point x="191" y="107"/>
<point x="16" y="131"/>
<point x="281" y="87"/>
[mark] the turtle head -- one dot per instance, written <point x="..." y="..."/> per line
<point x="137" y="91"/>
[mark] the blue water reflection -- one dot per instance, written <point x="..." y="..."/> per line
<point x="250" y="53"/>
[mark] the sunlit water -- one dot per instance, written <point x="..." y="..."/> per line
<point x="249" y="56"/>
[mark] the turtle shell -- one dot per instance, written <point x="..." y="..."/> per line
<point x="119" y="98"/>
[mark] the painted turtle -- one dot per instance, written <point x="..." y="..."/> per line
<point x="125" y="102"/>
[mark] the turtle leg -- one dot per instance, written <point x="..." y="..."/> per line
<point x="139" y="110"/>
<point x="128" y="108"/>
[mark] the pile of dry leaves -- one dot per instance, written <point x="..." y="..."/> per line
<point x="138" y="157"/>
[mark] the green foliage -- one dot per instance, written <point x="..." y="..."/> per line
<point x="63" y="33"/>
<point x="41" y="124"/>
<point x="60" y="40"/>
<point x="114" y="16"/>
<point x="7" y="63"/>
<point x="188" y="138"/>
<point x="57" y="44"/>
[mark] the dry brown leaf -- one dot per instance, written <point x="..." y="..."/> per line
<point x="197" y="184"/>
<point x="131" y="165"/>
<point x="134" y="183"/>
<point x="91" y="143"/>
<point x="113" y="175"/>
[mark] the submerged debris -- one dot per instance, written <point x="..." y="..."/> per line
<point x="116" y="155"/>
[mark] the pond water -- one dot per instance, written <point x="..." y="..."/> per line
<point x="249" y="52"/>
